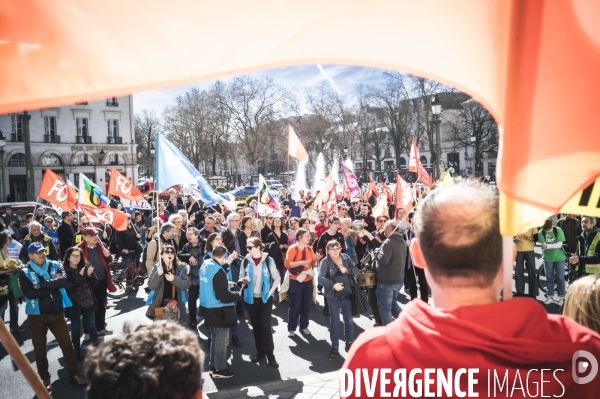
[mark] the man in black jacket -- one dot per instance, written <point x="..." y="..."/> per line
<point x="36" y="234"/>
<point x="235" y="243"/>
<point x="588" y="251"/>
<point x="391" y="259"/>
<point x="66" y="231"/>
<point x="43" y="284"/>
<point x="192" y="253"/>
<point x="571" y="226"/>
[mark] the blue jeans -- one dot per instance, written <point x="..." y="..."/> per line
<point x="90" y="324"/>
<point x="555" y="269"/>
<point x="300" y="295"/>
<point x="387" y="295"/>
<point x="345" y="304"/>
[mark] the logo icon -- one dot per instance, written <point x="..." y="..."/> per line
<point x="580" y="367"/>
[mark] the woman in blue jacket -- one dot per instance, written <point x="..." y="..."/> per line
<point x="261" y="273"/>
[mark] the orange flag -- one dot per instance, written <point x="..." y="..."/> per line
<point x="121" y="186"/>
<point x="415" y="165"/>
<point x="331" y="204"/>
<point x="388" y="191"/>
<point x="295" y="147"/>
<point x="56" y="191"/>
<point x="118" y="220"/>
<point x="371" y="188"/>
<point x="404" y="198"/>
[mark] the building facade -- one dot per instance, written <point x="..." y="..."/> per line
<point x="88" y="137"/>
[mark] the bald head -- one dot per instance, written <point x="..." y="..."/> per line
<point x="458" y="232"/>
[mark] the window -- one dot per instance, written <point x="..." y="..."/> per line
<point x="82" y="126"/>
<point x="115" y="159"/>
<point x="17" y="160"/>
<point x="402" y="163"/>
<point x="50" y="125"/>
<point x="51" y="160"/>
<point x="112" y="102"/>
<point x="83" y="160"/>
<point x="113" y="128"/>
<point x="16" y="122"/>
<point x="424" y="161"/>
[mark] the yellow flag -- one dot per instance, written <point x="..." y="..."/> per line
<point x="516" y="217"/>
<point x="586" y="202"/>
<point x="295" y="147"/>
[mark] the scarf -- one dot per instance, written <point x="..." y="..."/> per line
<point x="32" y="272"/>
<point x="101" y="247"/>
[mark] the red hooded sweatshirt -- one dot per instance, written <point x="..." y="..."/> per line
<point x="509" y="342"/>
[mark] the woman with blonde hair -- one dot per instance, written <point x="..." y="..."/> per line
<point x="582" y="302"/>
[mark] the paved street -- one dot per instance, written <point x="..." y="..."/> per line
<point x="301" y="356"/>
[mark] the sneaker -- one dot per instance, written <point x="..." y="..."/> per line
<point x="549" y="301"/>
<point x="86" y="337"/>
<point x="17" y="329"/>
<point x="334" y="353"/>
<point x="559" y="301"/>
<point x="306" y="331"/>
<point x="291" y="334"/>
<point x="105" y="332"/>
<point x="348" y="345"/>
<point x="222" y="374"/>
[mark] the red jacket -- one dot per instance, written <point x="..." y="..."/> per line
<point x="503" y="337"/>
<point x="105" y="260"/>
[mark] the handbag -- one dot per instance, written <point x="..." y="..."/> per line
<point x="14" y="285"/>
<point x="359" y="300"/>
<point x="168" y="312"/>
<point x="344" y="279"/>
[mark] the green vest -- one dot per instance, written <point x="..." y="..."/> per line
<point x="591" y="251"/>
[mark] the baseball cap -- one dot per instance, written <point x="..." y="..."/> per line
<point x="89" y="231"/>
<point x="35" y="248"/>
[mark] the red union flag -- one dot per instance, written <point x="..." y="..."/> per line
<point x="118" y="220"/>
<point x="121" y="186"/>
<point x="415" y="165"/>
<point x="404" y="197"/>
<point x="56" y="191"/>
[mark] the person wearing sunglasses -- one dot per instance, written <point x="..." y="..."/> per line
<point x="169" y="280"/>
<point x="51" y="231"/>
<point x="263" y="278"/>
<point x="268" y="228"/>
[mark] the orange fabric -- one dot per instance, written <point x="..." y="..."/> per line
<point x="387" y="191"/>
<point x="56" y="191"/>
<point x="294" y="254"/>
<point x="121" y="186"/>
<point x="532" y="64"/>
<point x="117" y="219"/>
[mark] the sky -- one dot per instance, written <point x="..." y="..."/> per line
<point x="342" y="78"/>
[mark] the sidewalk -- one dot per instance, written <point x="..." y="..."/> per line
<point x="315" y="386"/>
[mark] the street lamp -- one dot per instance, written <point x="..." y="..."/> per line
<point x="2" y="144"/>
<point x="102" y="153"/>
<point x="436" y="109"/>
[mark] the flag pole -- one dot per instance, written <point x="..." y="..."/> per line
<point x="156" y="186"/>
<point x="288" y="162"/>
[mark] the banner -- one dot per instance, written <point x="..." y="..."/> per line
<point x="122" y="187"/>
<point x="56" y="191"/>
<point x="90" y="194"/>
<point x="351" y="182"/>
<point x="267" y="204"/>
<point x="295" y="147"/>
<point x="118" y="220"/>
<point x="136" y="204"/>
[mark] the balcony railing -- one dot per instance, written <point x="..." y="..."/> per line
<point x="112" y="103"/>
<point x="114" y="140"/>
<point x="51" y="138"/>
<point x="116" y="163"/>
<point x="84" y="139"/>
<point x="16" y="136"/>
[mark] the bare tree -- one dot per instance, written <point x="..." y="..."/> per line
<point x="147" y="124"/>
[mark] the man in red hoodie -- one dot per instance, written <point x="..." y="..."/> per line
<point x="470" y="343"/>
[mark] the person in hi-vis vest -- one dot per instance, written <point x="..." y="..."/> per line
<point x="217" y="305"/>
<point x="588" y="247"/>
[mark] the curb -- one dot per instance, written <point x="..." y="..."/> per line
<point x="259" y="390"/>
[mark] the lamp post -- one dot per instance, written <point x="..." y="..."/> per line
<point x="436" y="109"/>
<point x="28" y="164"/>
<point x="2" y="180"/>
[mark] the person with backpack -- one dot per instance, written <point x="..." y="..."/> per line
<point x="150" y="255"/>
<point x="261" y="273"/>
<point x="551" y="239"/>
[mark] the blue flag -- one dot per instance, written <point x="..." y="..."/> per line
<point x="173" y="168"/>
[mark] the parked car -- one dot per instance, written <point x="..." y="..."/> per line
<point x="23" y="208"/>
<point x="241" y="193"/>
<point x="274" y="185"/>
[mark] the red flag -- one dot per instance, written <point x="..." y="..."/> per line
<point x="331" y="204"/>
<point x="404" y="198"/>
<point x="388" y="191"/>
<point x="118" y="220"/>
<point x="121" y="186"/>
<point x="415" y="165"/>
<point x="56" y="191"/>
<point x="371" y="188"/>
